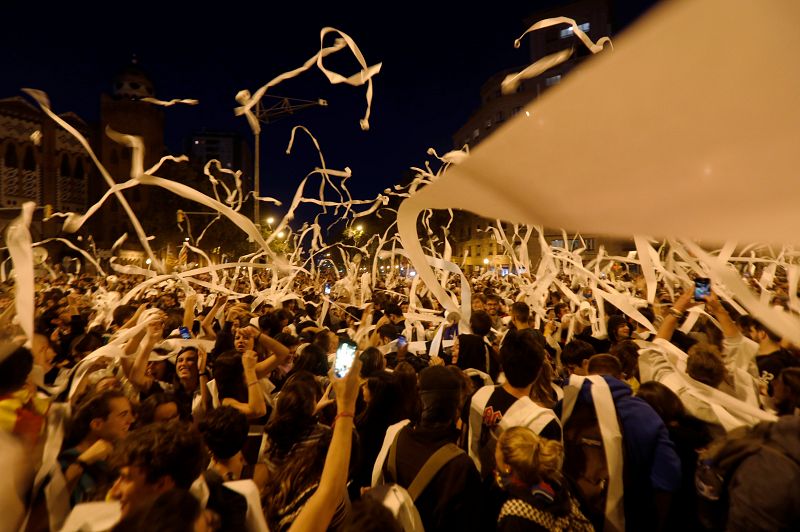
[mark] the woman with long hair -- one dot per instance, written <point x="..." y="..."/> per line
<point x="294" y="452"/>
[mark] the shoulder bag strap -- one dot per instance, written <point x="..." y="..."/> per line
<point x="433" y="465"/>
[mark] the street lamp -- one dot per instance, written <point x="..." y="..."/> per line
<point x="270" y="220"/>
<point x="281" y="234"/>
<point x="485" y="262"/>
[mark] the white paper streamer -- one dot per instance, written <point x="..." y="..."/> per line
<point x="18" y="237"/>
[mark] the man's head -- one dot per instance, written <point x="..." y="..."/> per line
<point x="107" y="415"/>
<point x="618" y="328"/>
<point x="493" y="304"/>
<point x="575" y="356"/>
<point x="763" y="335"/>
<point x="440" y="395"/>
<point x="521" y="357"/>
<point x="224" y="431"/>
<point x="705" y="365"/>
<point x="520" y="314"/>
<point x="560" y="310"/>
<point x="394" y="313"/>
<point x="478" y="302"/>
<point x="604" y="364"/>
<point x="480" y="322"/>
<point x="155" y="459"/>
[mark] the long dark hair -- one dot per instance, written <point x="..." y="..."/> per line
<point x="312" y="359"/>
<point x="294" y="416"/>
<point x="385" y="406"/>
<point x="229" y="376"/>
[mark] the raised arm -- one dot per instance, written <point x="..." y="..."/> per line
<point x="670" y="321"/>
<point x="316" y="515"/>
<point x="715" y="308"/>
<point x="138" y="374"/>
<point x="279" y="353"/>
<point x="208" y="320"/>
<point x="188" y="310"/>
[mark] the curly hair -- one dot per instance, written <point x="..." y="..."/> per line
<point x="173" y="449"/>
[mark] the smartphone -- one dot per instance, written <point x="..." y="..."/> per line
<point x="345" y="356"/>
<point x="702" y="288"/>
<point x="185" y="334"/>
<point x="402" y="341"/>
<point x="327" y="289"/>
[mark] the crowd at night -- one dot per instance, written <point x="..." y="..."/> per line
<point x="227" y="309"/>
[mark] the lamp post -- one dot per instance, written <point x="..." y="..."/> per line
<point x="282" y="107"/>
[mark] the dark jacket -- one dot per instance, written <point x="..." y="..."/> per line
<point x="453" y="499"/>
<point x="764" y="490"/>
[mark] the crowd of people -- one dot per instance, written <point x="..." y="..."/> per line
<point x="187" y="408"/>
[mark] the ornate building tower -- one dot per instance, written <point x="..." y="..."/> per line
<point x="123" y="111"/>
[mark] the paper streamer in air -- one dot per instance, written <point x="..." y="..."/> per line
<point x="18" y="237"/>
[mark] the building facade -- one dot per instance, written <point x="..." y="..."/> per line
<point x="40" y="162"/>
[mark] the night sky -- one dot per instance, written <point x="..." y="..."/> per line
<point x="435" y="57"/>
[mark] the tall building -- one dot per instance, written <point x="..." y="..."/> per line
<point x="473" y="245"/>
<point x="230" y="149"/>
<point x="123" y="111"/>
<point x="40" y="162"/>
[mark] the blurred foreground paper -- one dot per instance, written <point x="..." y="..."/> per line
<point x="689" y="128"/>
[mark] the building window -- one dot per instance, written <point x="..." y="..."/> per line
<point x="552" y="80"/>
<point x="11" y="156"/>
<point x="568" y="32"/>
<point x="78" y="173"/>
<point x="65" y="166"/>
<point x="29" y="163"/>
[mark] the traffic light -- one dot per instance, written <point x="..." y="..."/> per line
<point x="48" y="211"/>
<point x="181" y="216"/>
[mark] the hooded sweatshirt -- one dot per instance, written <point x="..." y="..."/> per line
<point x="764" y="491"/>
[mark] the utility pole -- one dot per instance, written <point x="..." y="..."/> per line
<point x="282" y="107"/>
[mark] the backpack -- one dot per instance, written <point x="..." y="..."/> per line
<point x="596" y="483"/>
<point x="585" y="462"/>
<point x="399" y="500"/>
<point x="717" y="465"/>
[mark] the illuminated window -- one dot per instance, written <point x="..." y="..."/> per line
<point x="567" y="32"/>
<point x="552" y="80"/>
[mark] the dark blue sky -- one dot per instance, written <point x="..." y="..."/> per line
<point x="435" y="57"/>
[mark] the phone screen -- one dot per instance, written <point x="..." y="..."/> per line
<point x="345" y="356"/>
<point x="185" y="334"/>
<point x="702" y="288"/>
<point x="401" y="341"/>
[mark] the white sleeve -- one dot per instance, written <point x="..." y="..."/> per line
<point x="739" y="352"/>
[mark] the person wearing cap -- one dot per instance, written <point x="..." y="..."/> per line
<point x="453" y="498"/>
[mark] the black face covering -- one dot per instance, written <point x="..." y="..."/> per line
<point x="439" y="406"/>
